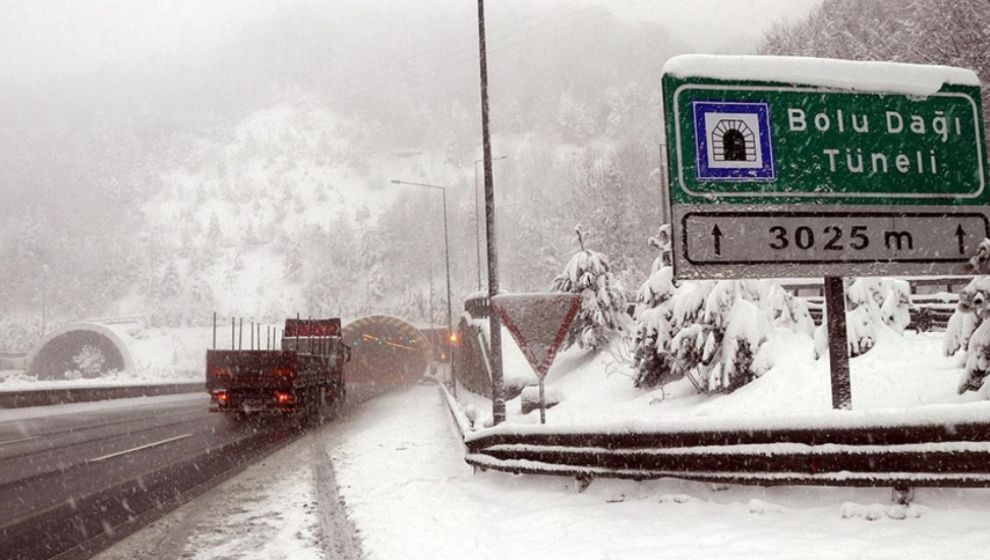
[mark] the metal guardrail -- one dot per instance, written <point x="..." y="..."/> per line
<point x="48" y="397"/>
<point x="948" y="453"/>
<point x="457" y="415"/>
<point x="928" y="312"/>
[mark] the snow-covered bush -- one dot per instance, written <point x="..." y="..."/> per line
<point x="789" y="312"/>
<point x="731" y="329"/>
<point x="969" y="329"/>
<point x="603" y="304"/>
<point x="958" y="331"/>
<point x="886" y="300"/>
<point x="870" y="304"/>
<point x="713" y="332"/>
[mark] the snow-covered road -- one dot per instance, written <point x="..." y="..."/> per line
<point x="401" y="475"/>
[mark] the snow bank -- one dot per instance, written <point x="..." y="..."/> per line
<point x="902" y="380"/>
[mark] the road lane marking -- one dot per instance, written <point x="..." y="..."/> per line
<point x="139" y="448"/>
<point x="19" y="440"/>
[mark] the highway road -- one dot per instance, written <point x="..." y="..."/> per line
<point x="72" y="483"/>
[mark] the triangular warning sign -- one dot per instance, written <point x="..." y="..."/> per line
<point x="538" y="323"/>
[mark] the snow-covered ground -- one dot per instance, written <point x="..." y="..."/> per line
<point x="411" y="496"/>
<point x="397" y="464"/>
<point x="401" y="475"/>
<point x="904" y="374"/>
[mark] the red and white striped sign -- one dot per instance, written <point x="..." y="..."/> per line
<point x="538" y="323"/>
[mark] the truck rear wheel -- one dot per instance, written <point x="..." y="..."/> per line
<point x="314" y="407"/>
<point x="337" y="402"/>
<point x="236" y="419"/>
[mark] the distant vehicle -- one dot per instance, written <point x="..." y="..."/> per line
<point x="303" y="379"/>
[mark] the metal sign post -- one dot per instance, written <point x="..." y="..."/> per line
<point x="539" y="324"/>
<point x="838" y="343"/>
<point x="829" y="169"/>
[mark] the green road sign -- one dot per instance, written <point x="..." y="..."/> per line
<point x="776" y="169"/>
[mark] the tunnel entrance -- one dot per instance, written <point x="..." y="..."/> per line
<point x="74" y="354"/>
<point x="734" y="146"/>
<point x="386" y="352"/>
<point x="733" y="140"/>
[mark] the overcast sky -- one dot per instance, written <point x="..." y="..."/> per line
<point x="41" y="39"/>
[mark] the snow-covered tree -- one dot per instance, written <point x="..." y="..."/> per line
<point x="575" y="117"/>
<point x="89" y="362"/>
<point x="603" y="304"/>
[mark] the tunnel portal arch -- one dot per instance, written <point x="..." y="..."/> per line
<point x="385" y="352"/>
<point x="54" y="355"/>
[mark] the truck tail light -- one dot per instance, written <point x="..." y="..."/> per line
<point x="284" y="397"/>
<point x="222" y="397"/>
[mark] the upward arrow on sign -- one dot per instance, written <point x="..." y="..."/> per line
<point x="538" y="323"/>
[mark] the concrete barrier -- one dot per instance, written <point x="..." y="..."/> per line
<point x="48" y="397"/>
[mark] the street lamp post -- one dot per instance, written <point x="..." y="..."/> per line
<point x="446" y="251"/>
<point x="477" y="216"/>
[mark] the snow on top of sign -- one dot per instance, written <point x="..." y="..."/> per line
<point x="889" y="77"/>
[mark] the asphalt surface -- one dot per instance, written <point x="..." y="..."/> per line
<point x="73" y="483"/>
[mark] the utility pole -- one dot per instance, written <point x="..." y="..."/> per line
<point x="498" y="397"/>
<point x="477" y="217"/>
<point x="477" y="222"/>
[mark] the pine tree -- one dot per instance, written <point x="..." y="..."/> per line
<point x="603" y="304"/>
<point x="293" y="263"/>
<point x="170" y="285"/>
<point x="652" y="361"/>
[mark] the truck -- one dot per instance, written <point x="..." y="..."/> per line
<point x="302" y="379"/>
